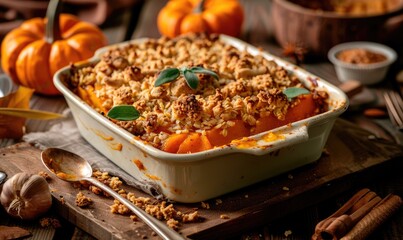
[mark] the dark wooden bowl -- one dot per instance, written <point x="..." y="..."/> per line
<point x="318" y="31"/>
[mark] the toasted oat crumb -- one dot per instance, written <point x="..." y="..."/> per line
<point x="287" y="233"/>
<point x="118" y="207"/>
<point x="172" y="223"/>
<point x="205" y="205"/>
<point x="95" y="190"/>
<point x="290" y="176"/>
<point x="286" y="189"/>
<point x="115" y="183"/>
<point x="82" y="201"/>
<point x="218" y="201"/>
<point x="190" y="217"/>
<point x="49" y="222"/>
<point x="134" y="218"/>
<point x="224" y="216"/>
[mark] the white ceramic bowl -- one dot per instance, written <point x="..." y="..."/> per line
<point x="200" y="176"/>
<point x="367" y="74"/>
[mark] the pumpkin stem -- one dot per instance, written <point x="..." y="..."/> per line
<point x="52" y="32"/>
<point x="200" y="7"/>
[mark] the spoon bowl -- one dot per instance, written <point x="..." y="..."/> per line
<point x="71" y="167"/>
<point x="66" y="165"/>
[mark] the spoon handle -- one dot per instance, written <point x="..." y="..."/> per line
<point x="29" y="113"/>
<point x="160" y="228"/>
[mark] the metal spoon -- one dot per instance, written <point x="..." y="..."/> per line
<point x="3" y="177"/>
<point x="71" y="167"/>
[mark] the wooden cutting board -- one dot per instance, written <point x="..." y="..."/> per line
<point x="351" y="158"/>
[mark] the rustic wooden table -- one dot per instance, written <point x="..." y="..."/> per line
<point x="257" y="30"/>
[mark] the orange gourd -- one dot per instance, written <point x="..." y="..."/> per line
<point x="33" y="52"/>
<point x="201" y="16"/>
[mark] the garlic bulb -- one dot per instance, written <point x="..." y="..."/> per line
<point x="26" y="196"/>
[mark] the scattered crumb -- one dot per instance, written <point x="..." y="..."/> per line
<point x="218" y="201"/>
<point x="190" y="217"/>
<point x="158" y="209"/>
<point x="286" y="189"/>
<point x="82" y="201"/>
<point x="205" y="205"/>
<point x="290" y="176"/>
<point x="45" y="175"/>
<point x="172" y="223"/>
<point x="49" y="222"/>
<point x="246" y="196"/>
<point x="119" y="208"/>
<point x="224" y="216"/>
<point x="115" y="183"/>
<point x="287" y="233"/>
<point x="95" y="190"/>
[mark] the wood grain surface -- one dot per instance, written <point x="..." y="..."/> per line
<point x="260" y="206"/>
<point x="351" y="157"/>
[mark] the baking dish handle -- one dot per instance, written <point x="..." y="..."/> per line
<point x="274" y="140"/>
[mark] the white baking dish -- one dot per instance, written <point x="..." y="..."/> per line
<point x="205" y="175"/>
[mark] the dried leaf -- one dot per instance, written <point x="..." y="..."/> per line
<point x="7" y="232"/>
<point x="13" y="127"/>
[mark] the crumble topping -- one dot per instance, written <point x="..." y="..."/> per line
<point x="161" y="210"/>
<point x="249" y="87"/>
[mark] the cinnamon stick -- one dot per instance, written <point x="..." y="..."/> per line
<point x="374" y="218"/>
<point x="358" y="217"/>
<point x="340" y="222"/>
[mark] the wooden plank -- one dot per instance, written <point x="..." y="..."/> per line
<point x="352" y="158"/>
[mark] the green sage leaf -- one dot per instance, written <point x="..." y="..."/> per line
<point x="191" y="79"/>
<point x="167" y="75"/>
<point x="204" y="71"/>
<point x="124" y="113"/>
<point x="293" y="92"/>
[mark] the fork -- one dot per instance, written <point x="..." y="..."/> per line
<point x="394" y="105"/>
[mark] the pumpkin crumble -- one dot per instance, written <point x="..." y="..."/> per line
<point x="248" y="89"/>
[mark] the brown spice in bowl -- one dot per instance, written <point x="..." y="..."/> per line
<point x="360" y="56"/>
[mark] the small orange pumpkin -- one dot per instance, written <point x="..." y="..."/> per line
<point x="30" y="55"/>
<point x="206" y="16"/>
